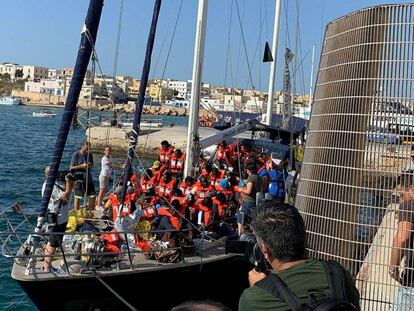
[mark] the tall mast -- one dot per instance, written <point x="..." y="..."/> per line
<point x="141" y="97"/>
<point x="192" y="153"/>
<point x="87" y="43"/>
<point x="311" y="76"/>
<point x="274" y="63"/>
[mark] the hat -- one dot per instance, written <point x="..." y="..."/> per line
<point x="156" y="164"/>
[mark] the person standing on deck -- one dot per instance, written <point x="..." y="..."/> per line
<point x="81" y="165"/>
<point x="403" y="246"/>
<point x="106" y="175"/>
<point x="57" y="217"/>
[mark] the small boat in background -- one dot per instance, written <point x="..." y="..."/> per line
<point x="10" y="101"/>
<point x="44" y="113"/>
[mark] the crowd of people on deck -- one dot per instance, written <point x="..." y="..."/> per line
<point x="219" y="198"/>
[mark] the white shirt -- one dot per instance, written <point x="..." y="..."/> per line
<point x="56" y="205"/>
<point x="106" y="169"/>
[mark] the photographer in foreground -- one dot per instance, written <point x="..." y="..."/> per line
<point x="280" y="233"/>
<point x="57" y="216"/>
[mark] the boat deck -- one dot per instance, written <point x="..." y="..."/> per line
<point x="213" y="251"/>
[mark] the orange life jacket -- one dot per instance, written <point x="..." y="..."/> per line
<point x="165" y="189"/>
<point x="185" y="189"/>
<point x="208" y="213"/>
<point x="166" y="154"/>
<point x="175" y="222"/>
<point x="183" y="203"/>
<point x="177" y="163"/>
<point x="150" y="211"/>
<point x="146" y="184"/>
<point x="222" y="153"/>
<point x="203" y="192"/>
<point x="221" y="208"/>
<point x="215" y="181"/>
<point x="126" y="208"/>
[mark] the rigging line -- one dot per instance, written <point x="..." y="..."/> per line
<point x="113" y="291"/>
<point x="172" y="39"/>
<point x="118" y="40"/>
<point x="287" y="23"/>
<point x="164" y="39"/>
<point x="229" y="23"/>
<point x="239" y="48"/>
<point x="266" y="20"/>
<point x="245" y="48"/>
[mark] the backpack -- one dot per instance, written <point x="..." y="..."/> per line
<point x="336" y="278"/>
<point x="276" y="184"/>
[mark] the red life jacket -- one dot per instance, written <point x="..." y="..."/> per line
<point x="185" y="189"/>
<point x="203" y="192"/>
<point x="175" y="222"/>
<point x="177" y="163"/>
<point x="215" y="181"/>
<point x="183" y="203"/>
<point x="146" y="184"/>
<point x="126" y="208"/>
<point x="222" y="153"/>
<point x="221" y="208"/>
<point x="150" y="211"/>
<point x="208" y="213"/>
<point x="166" y="154"/>
<point x="164" y="189"/>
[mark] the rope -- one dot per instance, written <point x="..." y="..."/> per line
<point x="114" y="292"/>
<point x="172" y="39"/>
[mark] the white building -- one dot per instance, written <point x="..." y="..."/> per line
<point x="10" y="69"/>
<point x="46" y="86"/>
<point x="35" y="72"/>
<point x="183" y="88"/>
<point x="51" y="74"/>
<point x="233" y="102"/>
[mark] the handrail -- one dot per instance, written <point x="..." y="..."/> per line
<point x="15" y="231"/>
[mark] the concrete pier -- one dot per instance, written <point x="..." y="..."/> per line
<point x="148" y="143"/>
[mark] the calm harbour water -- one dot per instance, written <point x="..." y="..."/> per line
<point x="26" y="147"/>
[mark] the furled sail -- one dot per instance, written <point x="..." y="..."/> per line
<point x="87" y="42"/>
<point x="141" y="96"/>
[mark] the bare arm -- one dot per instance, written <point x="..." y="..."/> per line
<point x="401" y="241"/>
<point x="248" y="189"/>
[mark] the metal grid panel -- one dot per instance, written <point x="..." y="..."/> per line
<point x="358" y="144"/>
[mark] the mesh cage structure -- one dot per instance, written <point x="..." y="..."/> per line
<point x="356" y="182"/>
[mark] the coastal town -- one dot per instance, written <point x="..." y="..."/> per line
<point x="42" y="85"/>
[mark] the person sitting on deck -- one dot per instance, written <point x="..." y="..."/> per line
<point x="166" y="186"/>
<point x="114" y="202"/>
<point x="186" y="185"/>
<point x="177" y="161"/>
<point x="148" y="204"/>
<point x="168" y="218"/>
<point x="165" y="153"/>
<point x="157" y="171"/>
<point x="203" y="213"/>
<point x="146" y="182"/>
<point x="216" y="176"/>
<point x="223" y="154"/>
<point x="202" y="189"/>
<point x="57" y="217"/>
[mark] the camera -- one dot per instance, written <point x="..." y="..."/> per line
<point x="247" y="246"/>
<point x="66" y="173"/>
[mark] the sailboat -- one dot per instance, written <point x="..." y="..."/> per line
<point x="131" y="281"/>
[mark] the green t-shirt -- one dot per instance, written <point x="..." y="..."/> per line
<point x="306" y="279"/>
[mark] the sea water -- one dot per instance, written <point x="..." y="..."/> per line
<point x="26" y="148"/>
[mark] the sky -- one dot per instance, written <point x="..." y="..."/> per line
<point x="47" y="33"/>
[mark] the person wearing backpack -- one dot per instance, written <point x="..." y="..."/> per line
<point x="296" y="282"/>
<point x="277" y="181"/>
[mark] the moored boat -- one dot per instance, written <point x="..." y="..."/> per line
<point x="44" y="113"/>
<point x="10" y="101"/>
